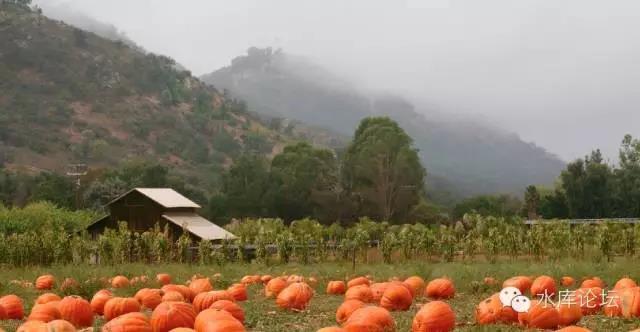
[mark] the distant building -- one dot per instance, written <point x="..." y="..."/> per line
<point x="143" y="208"/>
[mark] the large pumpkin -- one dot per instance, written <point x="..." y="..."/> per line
<point x="543" y="286"/>
<point x="169" y="315"/>
<point x="625" y="283"/>
<point x="440" y="288"/>
<point x="523" y="283"/>
<point x="186" y="292"/>
<point x="163" y="278"/>
<point x="569" y="312"/>
<point x="238" y="291"/>
<point x="119" y="306"/>
<point x="592" y="282"/>
<point x="541" y="315"/>
<point x="60" y="325"/>
<point x="45" y="282"/>
<point x="377" y="290"/>
<point x="347" y="308"/>
<point x="233" y="308"/>
<point x="149" y="297"/>
<point x="266" y="278"/>
<point x="131" y="322"/>
<point x="336" y="287"/>
<point x="331" y="329"/>
<point x="213" y="320"/>
<point x="296" y="296"/>
<point x="44" y="312"/>
<point x="359" y="292"/>
<point x="573" y="329"/>
<point x="358" y="281"/>
<point x="32" y="326"/>
<point x="491" y="311"/>
<point x="173" y="296"/>
<point x="201" y="285"/>
<point x="205" y="300"/>
<point x="119" y="282"/>
<point x="396" y="298"/>
<point x="370" y="319"/>
<point x="99" y="299"/>
<point x="13" y="306"/>
<point x="415" y="285"/>
<point x="76" y="310"/>
<point x="69" y="285"/>
<point x="628" y="301"/>
<point x="275" y="286"/>
<point x="434" y="316"/>
<point x="3" y="313"/>
<point x="589" y="299"/>
<point x="47" y="297"/>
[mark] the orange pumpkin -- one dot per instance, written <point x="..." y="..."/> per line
<point x="47" y="297"/>
<point x="13" y="306"/>
<point x="541" y="315"/>
<point x="331" y="329"/>
<point x="592" y="282"/>
<point x="370" y="319"/>
<point x="434" y="316"/>
<point x="359" y="292"/>
<point x="119" y="306"/>
<point x="358" y="281"/>
<point x="266" y="278"/>
<point x="69" y="285"/>
<point x="182" y="329"/>
<point x="346" y="309"/>
<point x="275" y="286"/>
<point x="45" y="282"/>
<point x="294" y="278"/>
<point x="213" y="320"/>
<point x="173" y="296"/>
<point x="567" y="281"/>
<point x="440" y="288"/>
<point x="205" y="300"/>
<point x="491" y="311"/>
<point x="60" y="325"/>
<point x="543" y="286"/>
<point x="3" y="313"/>
<point x="336" y="287"/>
<point x="120" y="282"/>
<point x="169" y="315"/>
<point x="250" y="279"/>
<point x="396" y="298"/>
<point x="377" y="290"/>
<point x="44" y="312"/>
<point x="149" y="297"/>
<point x="131" y="322"/>
<point x="76" y="310"/>
<point x="628" y="301"/>
<point x="573" y="329"/>
<point x="415" y="285"/>
<point x="202" y="285"/>
<point x="589" y="299"/>
<point x="569" y="312"/>
<point x="523" y="283"/>
<point x="295" y="297"/>
<point x="33" y="326"/>
<point x="233" y="308"/>
<point x="163" y="278"/>
<point x="238" y="291"/>
<point x="99" y="299"/>
<point x="186" y="292"/>
<point x="625" y="283"/>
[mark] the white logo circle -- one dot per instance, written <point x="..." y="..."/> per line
<point x="507" y="294"/>
<point x="520" y="303"/>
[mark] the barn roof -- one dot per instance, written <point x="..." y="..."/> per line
<point x="198" y="226"/>
<point x="166" y="197"/>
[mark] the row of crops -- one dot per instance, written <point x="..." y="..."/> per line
<point x="270" y="241"/>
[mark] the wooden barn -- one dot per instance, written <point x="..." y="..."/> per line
<point x="143" y="208"/>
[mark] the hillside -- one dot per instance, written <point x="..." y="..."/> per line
<point x="69" y="96"/>
<point x="462" y="157"/>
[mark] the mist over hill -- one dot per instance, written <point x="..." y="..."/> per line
<point x="462" y="157"/>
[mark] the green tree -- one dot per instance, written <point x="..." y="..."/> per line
<point x="488" y="205"/>
<point x="587" y="185"/>
<point x="382" y="168"/>
<point x="298" y="175"/>
<point x="243" y="188"/>
<point x="627" y="179"/>
<point x="532" y="201"/>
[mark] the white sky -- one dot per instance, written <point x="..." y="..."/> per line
<point x="564" y="74"/>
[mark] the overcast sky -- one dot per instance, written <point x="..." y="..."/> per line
<point x="564" y="74"/>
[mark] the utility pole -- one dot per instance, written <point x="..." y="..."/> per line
<point x="77" y="171"/>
